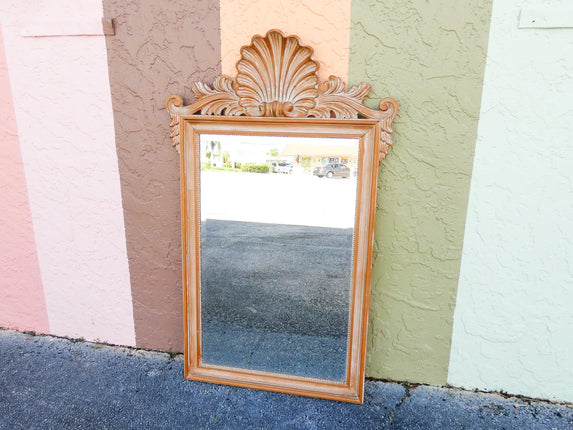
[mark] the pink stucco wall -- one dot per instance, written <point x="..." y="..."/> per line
<point x="22" y="305"/>
<point x="63" y="110"/>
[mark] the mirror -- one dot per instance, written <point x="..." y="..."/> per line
<point x="278" y="189"/>
<point x="280" y="301"/>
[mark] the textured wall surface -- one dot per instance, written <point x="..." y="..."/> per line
<point x="430" y="57"/>
<point x="22" y="304"/>
<point x="322" y="24"/>
<point x="85" y="186"/>
<point x="63" y="111"/>
<point x="513" y="326"/>
<point x="159" y="49"/>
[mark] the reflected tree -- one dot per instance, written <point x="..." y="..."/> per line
<point x="213" y="152"/>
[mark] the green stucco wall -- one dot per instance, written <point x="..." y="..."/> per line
<point x="430" y="57"/>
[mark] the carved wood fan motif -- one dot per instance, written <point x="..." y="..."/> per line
<point x="277" y="77"/>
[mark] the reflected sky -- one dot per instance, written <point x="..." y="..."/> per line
<point x="296" y="198"/>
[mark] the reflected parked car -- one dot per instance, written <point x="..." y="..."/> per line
<point x="332" y="170"/>
<point x="282" y="167"/>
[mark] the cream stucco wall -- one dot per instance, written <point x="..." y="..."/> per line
<point x="513" y="322"/>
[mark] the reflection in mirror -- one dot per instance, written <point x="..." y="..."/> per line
<point x="277" y="223"/>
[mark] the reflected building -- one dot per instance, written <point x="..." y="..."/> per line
<point x="304" y="153"/>
<point x="311" y="155"/>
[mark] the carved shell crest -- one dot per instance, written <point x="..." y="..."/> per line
<point x="277" y="77"/>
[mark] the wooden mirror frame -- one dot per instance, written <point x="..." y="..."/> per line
<point x="277" y="93"/>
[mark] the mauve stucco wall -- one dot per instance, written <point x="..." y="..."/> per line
<point x="513" y="326"/>
<point x="159" y="48"/>
<point x="430" y="57"/>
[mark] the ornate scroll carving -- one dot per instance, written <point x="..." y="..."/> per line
<point x="277" y="77"/>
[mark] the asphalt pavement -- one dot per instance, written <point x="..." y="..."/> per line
<point x="53" y="383"/>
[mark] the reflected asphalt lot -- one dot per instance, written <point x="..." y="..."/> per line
<point x="276" y="297"/>
<point x="293" y="279"/>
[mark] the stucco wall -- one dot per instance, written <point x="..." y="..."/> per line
<point x="159" y="48"/>
<point x="63" y="112"/>
<point x="513" y="320"/>
<point x="323" y="25"/>
<point x="22" y="303"/>
<point x="93" y="181"/>
<point x="430" y="57"/>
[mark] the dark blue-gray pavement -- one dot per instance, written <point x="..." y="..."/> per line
<point x="54" y="383"/>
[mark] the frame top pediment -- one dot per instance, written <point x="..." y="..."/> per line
<point x="277" y="77"/>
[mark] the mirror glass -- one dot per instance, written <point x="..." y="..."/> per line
<point x="277" y="221"/>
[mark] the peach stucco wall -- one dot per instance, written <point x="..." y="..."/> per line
<point x="63" y="110"/>
<point x="322" y="24"/>
<point x="22" y="304"/>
